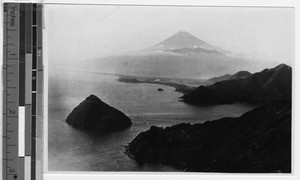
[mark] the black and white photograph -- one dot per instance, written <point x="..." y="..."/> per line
<point x="137" y="88"/>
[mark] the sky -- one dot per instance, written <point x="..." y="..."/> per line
<point x="81" y="32"/>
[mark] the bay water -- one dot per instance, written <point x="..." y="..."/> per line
<point x="72" y="150"/>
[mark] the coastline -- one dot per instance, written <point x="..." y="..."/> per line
<point x="179" y="87"/>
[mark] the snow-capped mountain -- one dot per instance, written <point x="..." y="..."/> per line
<point x="181" y="55"/>
<point x="184" y="43"/>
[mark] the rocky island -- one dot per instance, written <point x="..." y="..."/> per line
<point x="96" y="117"/>
<point x="259" y="141"/>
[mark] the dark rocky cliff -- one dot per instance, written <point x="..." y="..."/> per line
<point x="96" y="117"/>
<point x="259" y="141"/>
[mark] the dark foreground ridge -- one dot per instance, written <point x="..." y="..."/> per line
<point x="259" y="88"/>
<point x="259" y="141"/>
<point x="96" y="117"/>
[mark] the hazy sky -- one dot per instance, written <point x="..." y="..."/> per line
<point x="83" y="31"/>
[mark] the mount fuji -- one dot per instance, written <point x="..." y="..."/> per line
<point x="183" y="42"/>
<point x="182" y="55"/>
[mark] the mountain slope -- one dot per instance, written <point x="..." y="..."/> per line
<point x="259" y="141"/>
<point x="265" y="86"/>
<point x="238" y="75"/>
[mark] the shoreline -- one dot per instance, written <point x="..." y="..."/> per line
<point x="179" y="87"/>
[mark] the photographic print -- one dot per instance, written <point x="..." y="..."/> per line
<point x="169" y="88"/>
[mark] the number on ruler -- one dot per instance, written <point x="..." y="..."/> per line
<point x="5" y="7"/>
<point x="11" y="111"/>
<point x="39" y="52"/>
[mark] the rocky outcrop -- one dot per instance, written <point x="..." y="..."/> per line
<point x="96" y="117"/>
<point x="259" y="88"/>
<point x="238" y="75"/>
<point x="259" y="141"/>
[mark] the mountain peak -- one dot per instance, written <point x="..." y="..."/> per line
<point x="282" y="66"/>
<point x="240" y="75"/>
<point x="92" y="98"/>
<point x="183" y="40"/>
<point x="183" y="33"/>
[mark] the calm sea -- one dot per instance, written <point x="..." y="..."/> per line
<point x="73" y="150"/>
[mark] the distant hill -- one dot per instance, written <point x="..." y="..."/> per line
<point x="181" y="55"/>
<point x="265" y="86"/>
<point x="238" y="75"/>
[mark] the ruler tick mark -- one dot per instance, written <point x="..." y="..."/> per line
<point x="8" y="159"/>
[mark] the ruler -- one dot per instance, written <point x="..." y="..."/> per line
<point x="22" y="91"/>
